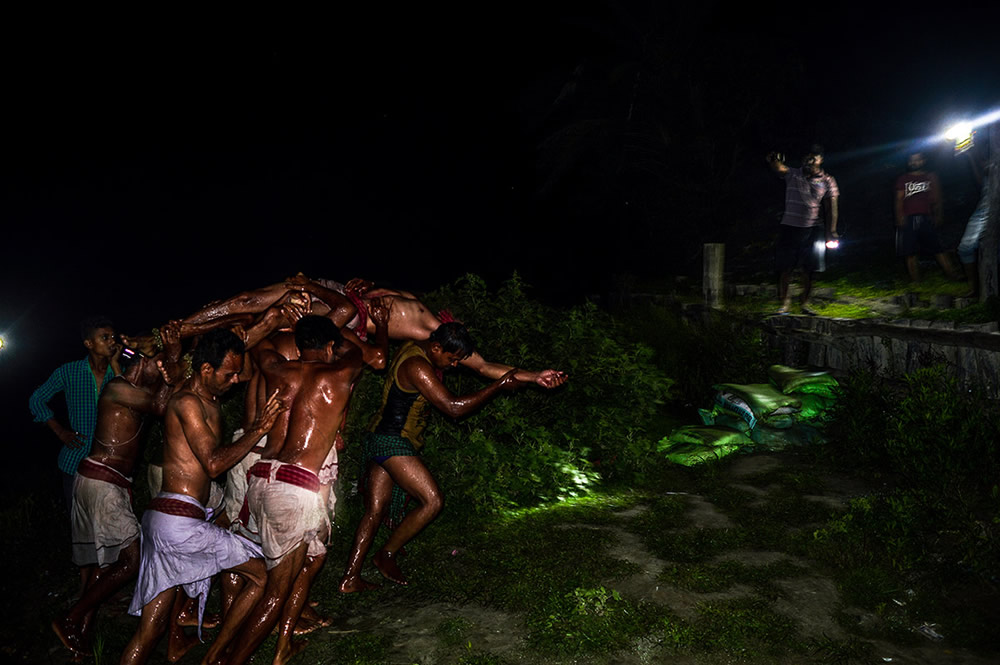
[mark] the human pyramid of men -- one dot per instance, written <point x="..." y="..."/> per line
<point x="300" y="345"/>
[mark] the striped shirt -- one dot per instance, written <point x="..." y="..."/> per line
<point x="76" y="382"/>
<point x="803" y="196"/>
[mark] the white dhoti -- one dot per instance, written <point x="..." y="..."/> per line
<point x="181" y="548"/>
<point x="102" y="520"/>
<point x="288" y="506"/>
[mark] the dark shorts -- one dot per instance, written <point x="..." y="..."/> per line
<point x="917" y="235"/>
<point x="801" y="246"/>
<point x="378" y="448"/>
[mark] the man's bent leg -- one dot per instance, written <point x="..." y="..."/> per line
<point x="414" y="478"/>
<point x="101" y="585"/>
<point x="784" y="278"/>
<point x="155" y="616"/>
<point x="269" y="608"/>
<point x="293" y="610"/>
<point x="377" y="497"/>
<point x="179" y="642"/>
<point x="254" y="576"/>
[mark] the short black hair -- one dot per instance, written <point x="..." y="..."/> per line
<point x="213" y="347"/>
<point x="454" y="337"/>
<point x="315" y="332"/>
<point x="815" y="149"/>
<point x="92" y="324"/>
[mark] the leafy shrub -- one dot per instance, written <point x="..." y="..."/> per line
<point x="718" y="348"/>
<point x="935" y="442"/>
<point x="536" y="445"/>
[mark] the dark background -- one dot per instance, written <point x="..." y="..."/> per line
<point x="154" y="163"/>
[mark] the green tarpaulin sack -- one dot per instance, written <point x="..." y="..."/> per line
<point x="814" y="407"/>
<point x="790" y="380"/>
<point x="723" y="418"/>
<point x="694" y="444"/>
<point x="768" y="404"/>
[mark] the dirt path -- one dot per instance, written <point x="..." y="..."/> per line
<point x="413" y="630"/>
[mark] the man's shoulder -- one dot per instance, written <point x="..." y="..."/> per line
<point x="75" y="366"/>
<point x="184" y="401"/>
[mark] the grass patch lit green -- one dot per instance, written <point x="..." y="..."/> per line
<point x="590" y="620"/>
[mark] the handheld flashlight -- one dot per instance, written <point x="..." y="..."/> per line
<point x="832" y="244"/>
<point x="963" y="135"/>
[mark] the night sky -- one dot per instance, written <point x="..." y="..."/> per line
<point x="154" y="163"/>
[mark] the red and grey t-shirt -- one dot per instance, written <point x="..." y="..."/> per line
<point x="920" y="193"/>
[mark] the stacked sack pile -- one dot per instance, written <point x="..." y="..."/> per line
<point x="789" y="410"/>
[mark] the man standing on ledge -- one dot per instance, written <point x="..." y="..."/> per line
<point x="390" y="453"/>
<point x="801" y="236"/>
<point x="918" y="214"/>
<point x="81" y="382"/>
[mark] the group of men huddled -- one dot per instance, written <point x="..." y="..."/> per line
<point x="300" y="346"/>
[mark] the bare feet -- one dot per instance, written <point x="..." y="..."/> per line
<point x="282" y="656"/>
<point x="309" y="621"/>
<point x="355" y="583"/>
<point x="69" y="639"/>
<point x="386" y="564"/>
<point x="179" y="644"/>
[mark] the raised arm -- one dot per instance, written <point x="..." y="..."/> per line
<point x="374" y="355"/>
<point x="283" y="315"/>
<point x="342" y="310"/>
<point x="777" y="162"/>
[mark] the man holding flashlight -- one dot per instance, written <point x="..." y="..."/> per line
<point x="801" y="236"/>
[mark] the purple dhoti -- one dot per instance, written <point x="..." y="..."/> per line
<point x="181" y="548"/>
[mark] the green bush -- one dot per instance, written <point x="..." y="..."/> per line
<point x="723" y="347"/>
<point x="537" y="445"/>
<point x="934" y="444"/>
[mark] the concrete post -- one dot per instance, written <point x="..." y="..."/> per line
<point x="714" y="263"/>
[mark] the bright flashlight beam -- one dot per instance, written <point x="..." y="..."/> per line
<point x="963" y="130"/>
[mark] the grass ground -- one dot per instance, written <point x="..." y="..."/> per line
<point x="711" y="564"/>
<point x="861" y="291"/>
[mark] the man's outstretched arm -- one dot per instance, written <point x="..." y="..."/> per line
<point x="546" y="378"/>
<point x="419" y="373"/>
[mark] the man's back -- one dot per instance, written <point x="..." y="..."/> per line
<point x="317" y="394"/>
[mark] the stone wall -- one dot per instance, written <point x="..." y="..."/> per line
<point x="970" y="353"/>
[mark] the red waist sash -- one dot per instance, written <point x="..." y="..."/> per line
<point x="287" y="473"/>
<point x="176" y="507"/>
<point x="362" y="329"/>
<point x="90" y="469"/>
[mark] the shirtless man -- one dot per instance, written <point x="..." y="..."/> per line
<point x="395" y="436"/>
<point x="180" y="548"/>
<point x="105" y="529"/>
<point x="284" y="493"/>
